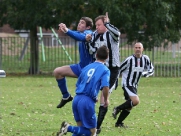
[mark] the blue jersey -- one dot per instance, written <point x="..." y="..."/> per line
<point x="85" y="57"/>
<point x="92" y="78"/>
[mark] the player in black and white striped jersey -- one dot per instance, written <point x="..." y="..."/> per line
<point x="132" y="68"/>
<point x="106" y="34"/>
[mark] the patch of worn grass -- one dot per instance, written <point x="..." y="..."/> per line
<point x="28" y="107"/>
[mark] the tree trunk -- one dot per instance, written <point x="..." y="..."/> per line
<point x="34" y="52"/>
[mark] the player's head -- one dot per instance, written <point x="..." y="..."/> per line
<point x="138" y="49"/>
<point x="99" y="22"/>
<point x="102" y="53"/>
<point x="85" y="23"/>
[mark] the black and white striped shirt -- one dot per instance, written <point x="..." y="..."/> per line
<point x="111" y="39"/>
<point x="132" y="69"/>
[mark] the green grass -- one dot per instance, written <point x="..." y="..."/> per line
<point x="28" y="107"/>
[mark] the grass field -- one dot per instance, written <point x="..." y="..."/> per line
<point x="28" y="108"/>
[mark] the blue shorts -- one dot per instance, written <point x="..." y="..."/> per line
<point x="76" y="68"/>
<point x="84" y="111"/>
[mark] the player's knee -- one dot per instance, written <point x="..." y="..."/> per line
<point x="135" y="102"/>
<point x="57" y="72"/>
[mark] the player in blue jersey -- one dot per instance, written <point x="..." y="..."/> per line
<point x="93" y="77"/>
<point x="84" y="27"/>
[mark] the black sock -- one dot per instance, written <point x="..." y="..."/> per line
<point x="101" y="115"/>
<point x="122" y="116"/>
<point x="126" y="105"/>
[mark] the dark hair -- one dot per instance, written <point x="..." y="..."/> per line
<point x="88" y="21"/>
<point x="100" y="17"/>
<point x="102" y="53"/>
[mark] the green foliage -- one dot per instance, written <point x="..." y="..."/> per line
<point x="147" y="21"/>
<point x="150" y="22"/>
<point x="28" y="107"/>
<point x="21" y="14"/>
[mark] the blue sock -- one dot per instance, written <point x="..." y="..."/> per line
<point x="79" y="131"/>
<point x="63" y="87"/>
<point x="76" y="135"/>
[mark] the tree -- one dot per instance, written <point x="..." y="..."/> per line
<point x="29" y="14"/>
<point x="150" y="22"/>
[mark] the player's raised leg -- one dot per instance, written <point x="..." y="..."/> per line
<point x="60" y="74"/>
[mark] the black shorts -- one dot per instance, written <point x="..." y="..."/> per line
<point x="129" y="91"/>
<point x="114" y="72"/>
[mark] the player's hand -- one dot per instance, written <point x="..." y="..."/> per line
<point x="63" y="27"/>
<point x="60" y="26"/>
<point x="88" y="37"/>
<point x="106" y="103"/>
<point x="106" y="19"/>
